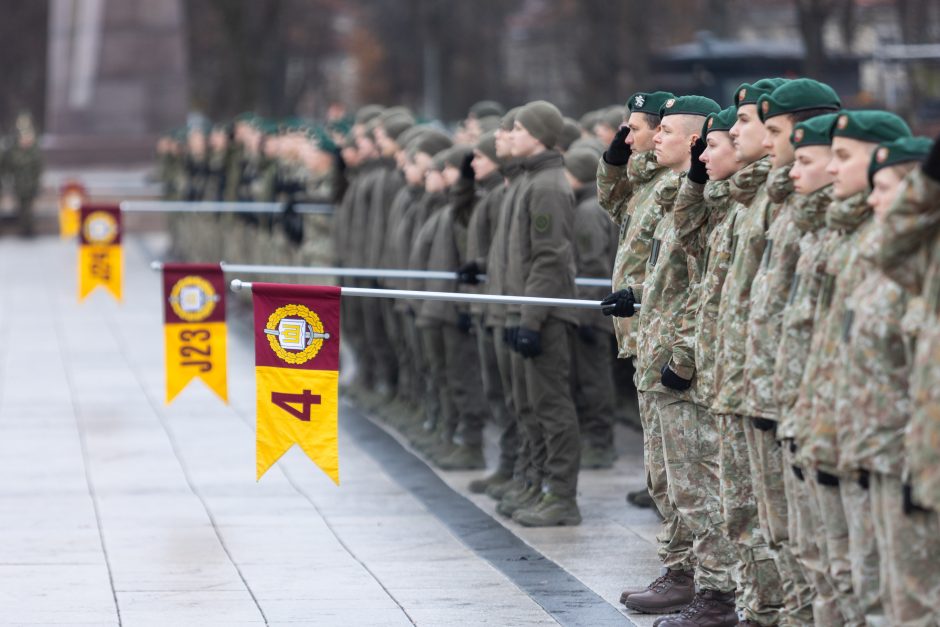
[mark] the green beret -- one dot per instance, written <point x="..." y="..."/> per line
<point x="872" y="126"/>
<point x="721" y="121"/>
<point x="797" y="95"/>
<point x="689" y="105"/>
<point x="814" y="131"/>
<point x="903" y="150"/>
<point x="321" y="138"/>
<point x="749" y="93"/>
<point x="648" y="102"/>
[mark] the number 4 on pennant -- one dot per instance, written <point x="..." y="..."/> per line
<point x="286" y="401"/>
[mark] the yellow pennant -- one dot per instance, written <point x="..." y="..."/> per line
<point x="100" y="258"/>
<point x="194" y="327"/>
<point x="296" y="331"/>
<point x="71" y="199"/>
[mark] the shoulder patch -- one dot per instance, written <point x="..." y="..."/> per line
<point x="542" y="222"/>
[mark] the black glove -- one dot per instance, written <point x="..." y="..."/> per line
<point x="619" y="151"/>
<point x="587" y="334"/>
<point x="910" y="507"/>
<point x="528" y="342"/>
<point x="824" y="478"/>
<point x="293" y="224"/>
<point x="464" y="322"/>
<point x="619" y="304"/>
<point x="864" y="479"/>
<point x="466" y="168"/>
<point x="932" y="164"/>
<point x="468" y="273"/>
<point x="697" y="173"/>
<point x="764" y="424"/>
<point x="509" y="337"/>
<point x="797" y="472"/>
<point x="673" y="381"/>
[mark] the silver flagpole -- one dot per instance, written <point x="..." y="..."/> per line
<point x="366" y="273"/>
<point x="238" y="285"/>
<point x="180" y="206"/>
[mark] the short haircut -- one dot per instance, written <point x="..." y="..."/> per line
<point x="801" y="116"/>
<point x="652" y="120"/>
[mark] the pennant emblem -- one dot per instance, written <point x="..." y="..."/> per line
<point x="194" y="327"/>
<point x="100" y="258"/>
<point x="71" y="197"/>
<point x="297" y="372"/>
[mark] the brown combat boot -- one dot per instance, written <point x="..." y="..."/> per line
<point x="710" y="608"/>
<point x="668" y="594"/>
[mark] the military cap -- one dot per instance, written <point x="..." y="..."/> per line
<point x="488" y="123"/>
<point x="396" y="122"/>
<point x="898" y="151"/>
<point x="872" y="126"/>
<point x="569" y="134"/>
<point x="689" y="105"/>
<point x="611" y="117"/>
<point x="589" y="119"/>
<point x="797" y="95"/>
<point x="588" y="143"/>
<point x="368" y="113"/>
<point x="815" y="131"/>
<point x="721" y="121"/>
<point x="543" y="120"/>
<point x="410" y="135"/>
<point x="432" y="142"/>
<point x="321" y="138"/>
<point x="455" y="155"/>
<point x="487" y="145"/>
<point x="749" y="93"/>
<point x="486" y="109"/>
<point x="648" y="102"/>
<point x="509" y="120"/>
<point x="582" y="163"/>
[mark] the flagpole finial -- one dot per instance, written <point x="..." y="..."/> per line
<point x="156" y="266"/>
<point x="239" y="285"/>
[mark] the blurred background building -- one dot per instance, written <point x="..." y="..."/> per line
<point x="103" y="77"/>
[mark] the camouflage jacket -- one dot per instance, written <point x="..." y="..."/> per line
<point x="596" y="244"/>
<point x="495" y="262"/>
<point x="627" y="193"/>
<point x="752" y="217"/>
<point x="911" y="234"/>
<point x="705" y="233"/>
<point x="850" y="221"/>
<point x="769" y="293"/>
<point x="796" y="334"/>
<point x="541" y="257"/>
<point x="664" y="293"/>
<point x="482" y="228"/>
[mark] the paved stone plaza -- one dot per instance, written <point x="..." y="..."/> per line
<point x="116" y="509"/>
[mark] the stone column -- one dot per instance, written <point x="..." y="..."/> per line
<point x="116" y="79"/>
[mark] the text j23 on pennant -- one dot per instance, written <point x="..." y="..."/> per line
<point x="100" y="259"/>
<point x="194" y="327"/>
<point x="296" y="331"/>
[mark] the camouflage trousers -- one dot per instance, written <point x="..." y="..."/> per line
<point x="594" y="390"/>
<point x="759" y="597"/>
<point x="554" y="435"/>
<point x="863" y="552"/>
<point x="767" y="469"/>
<point x="833" y="542"/>
<point x="497" y="386"/>
<point x="807" y="540"/>
<point x="690" y="450"/>
<point x="909" y="547"/>
<point x="674" y="540"/>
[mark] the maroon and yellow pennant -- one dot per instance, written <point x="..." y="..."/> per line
<point x="297" y="373"/>
<point x="72" y="196"/>
<point x="100" y="259"/>
<point x="194" y="327"/>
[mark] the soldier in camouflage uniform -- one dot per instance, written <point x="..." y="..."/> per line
<point x="627" y="176"/>
<point x="810" y="537"/>
<point x="666" y="369"/>
<point x="908" y="251"/>
<point x="705" y="231"/>
<point x="855" y="137"/>
<point x="779" y="110"/>
<point x="23" y="162"/>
